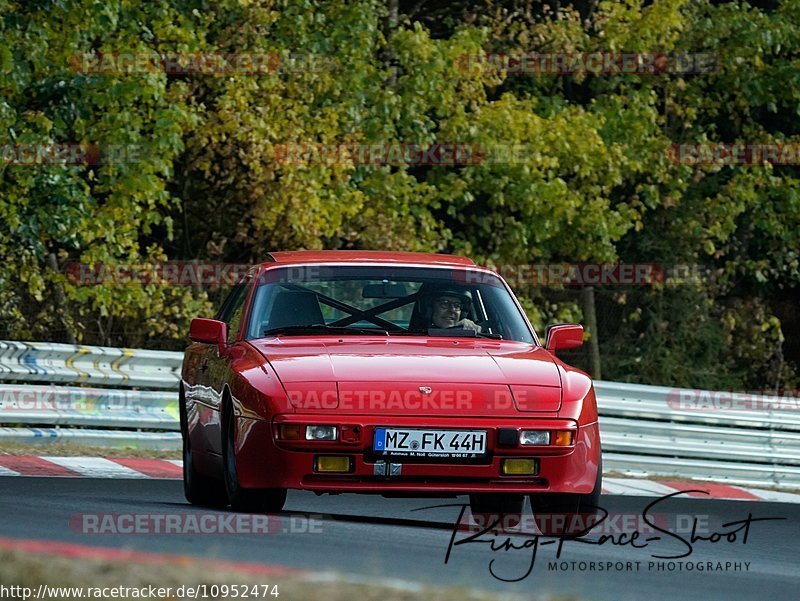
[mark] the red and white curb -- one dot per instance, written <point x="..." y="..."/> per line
<point x="705" y="490"/>
<point x="90" y="467"/>
<point x="96" y="467"/>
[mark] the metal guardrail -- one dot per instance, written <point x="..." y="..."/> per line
<point x="52" y="362"/>
<point x="655" y="431"/>
<point x="661" y="403"/>
<point x="89" y="407"/>
<point x="646" y="430"/>
<point x="154" y="441"/>
<point x="101" y="417"/>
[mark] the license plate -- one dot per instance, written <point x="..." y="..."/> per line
<point x="447" y="444"/>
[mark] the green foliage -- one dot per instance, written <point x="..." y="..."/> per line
<point x="93" y="213"/>
<point x="576" y="166"/>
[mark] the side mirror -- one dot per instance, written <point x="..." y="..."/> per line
<point x="209" y="331"/>
<point x="563" y="336"/>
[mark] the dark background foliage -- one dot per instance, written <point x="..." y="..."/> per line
<point x="596" y="185"/>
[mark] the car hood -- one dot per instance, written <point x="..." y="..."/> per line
<point x="481" y="370"/>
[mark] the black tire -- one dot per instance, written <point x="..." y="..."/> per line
<point x="247" y="500"/>
<point x="198" y="488"/>
<point x="503" y="509"/>
<point x="567" y="514"/>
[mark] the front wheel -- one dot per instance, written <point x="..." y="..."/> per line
<point x="490" y="510"/>
<point x="249" y="500"/>
<point x="567" y="514"/>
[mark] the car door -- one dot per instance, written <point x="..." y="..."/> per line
<point x="217" y="366"/>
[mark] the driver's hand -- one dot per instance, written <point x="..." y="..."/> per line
<point x="468" y="324"/>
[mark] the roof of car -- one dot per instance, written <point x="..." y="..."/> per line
<point x="366" y="256"/>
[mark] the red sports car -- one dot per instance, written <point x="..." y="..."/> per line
<point x="402" y="374"/>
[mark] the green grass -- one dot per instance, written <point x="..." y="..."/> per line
<point x="25" y="569"/>
<point x="69" y="449"/>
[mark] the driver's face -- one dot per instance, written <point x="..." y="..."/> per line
<point x="446" y="311"/>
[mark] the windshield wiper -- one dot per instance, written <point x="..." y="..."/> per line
<point x="323" y="329"/>
<point x="462" y="333"/>
<point x="487" y="335"/>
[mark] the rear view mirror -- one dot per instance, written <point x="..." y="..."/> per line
<point x="384" y="290"/>
<point x="563" y="336"/>
<point x="209" y="331"/>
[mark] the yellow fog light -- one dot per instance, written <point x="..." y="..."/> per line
<point x="518" y="467"/>
<point x="333" y="463"/>
<point x="564" y="438"/>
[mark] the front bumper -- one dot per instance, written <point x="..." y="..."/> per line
<point x="264" y="462"/>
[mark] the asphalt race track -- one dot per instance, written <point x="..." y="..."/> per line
<point x="381" y="538"/>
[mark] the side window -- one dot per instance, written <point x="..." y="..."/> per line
<point x="263" y="300"/>
<point x="232" y="310"/>
<point x="236" y="319"/>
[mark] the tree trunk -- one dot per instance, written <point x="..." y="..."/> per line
<point x="61" y="300"/>
<point x="590" y="317"/>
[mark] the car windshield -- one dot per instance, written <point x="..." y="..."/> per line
<point x="385" y="300"/>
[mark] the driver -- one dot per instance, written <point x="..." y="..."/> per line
<point x="447" y="307"/>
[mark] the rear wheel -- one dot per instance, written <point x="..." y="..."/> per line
<point x="500" y="510"/>
<point x="250" y="500"/>
<point x="567" y="514"/>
